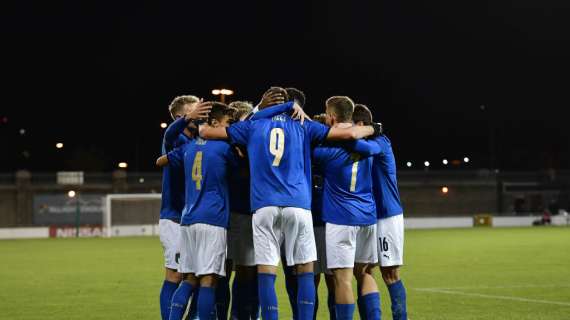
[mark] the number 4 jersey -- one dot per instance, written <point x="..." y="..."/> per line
<point x="279" y="151"/>
<point x="206" y="167"/>
<point x="347" y="187"/>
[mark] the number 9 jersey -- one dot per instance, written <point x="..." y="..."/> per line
<point x="279" y="151"/>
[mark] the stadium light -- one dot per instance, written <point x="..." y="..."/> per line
<point x="409" y="164"/>
<point x="71" y="194"/>
<point x="426" y="163"/>
<point x="445" y="190"/>
<point x="123" y="165"/>
<point x="466" y="160"/>
<point x="141" y="180"/>
<point x="445" y="162"/>
<point x="222" y="93"/>
<point x="163" y="125"/>
<point x="22" y="131"/>
<point x="59" y="145"/>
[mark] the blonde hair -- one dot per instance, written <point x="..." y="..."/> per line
<point x="179" y="102"/>
<point x="243" y="108"/>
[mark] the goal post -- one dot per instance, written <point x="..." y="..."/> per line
<point x="130" y="214"/>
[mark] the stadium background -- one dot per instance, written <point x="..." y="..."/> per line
<point x="450" y="80"/>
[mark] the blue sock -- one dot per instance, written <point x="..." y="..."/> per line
<point x="398" y="298"/>
<point x="222" y="297"/>
<point x="267" y="296"/>
<point x="344" y="311"/>
<point x="306" y="295"/>
<point x="166" y="293"/>
<point x="331" y="305"/>
<point x="193" y="312"/>
<point x="291" y="287"/>
<point x="370" y="306"/>
<point x="207" y="303"/>
<point x="180" y="300"/>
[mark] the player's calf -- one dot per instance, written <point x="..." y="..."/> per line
<point x="397" y="291"/>
<point x="368" y="296"/>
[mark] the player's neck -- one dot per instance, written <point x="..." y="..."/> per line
<point x="343" y="125"/>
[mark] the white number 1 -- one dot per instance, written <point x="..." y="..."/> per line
<point x="277" y="145"/>
<point x="354" y="157"/>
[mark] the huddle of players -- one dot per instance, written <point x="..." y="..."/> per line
<point x="272" y="151"/>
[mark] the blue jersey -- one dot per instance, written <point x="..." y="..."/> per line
<point x="206" y="168"/>
<point x="279" y="151"/>
<point x="172" y="201"/>
<point x="347" y="191"/>
<point x="385" y="182"/>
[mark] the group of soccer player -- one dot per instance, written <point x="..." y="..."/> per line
<point x="245" y="188"/>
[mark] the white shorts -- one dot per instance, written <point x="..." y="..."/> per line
<point x="347" y="245"/>
<point x="391" y="241"/>
<point x="203" y="249"/>
<point x="169" y="233"/>
<point x="240" y="240"/>
<point x="320" y="240"/>
<point x="289" y="227"/>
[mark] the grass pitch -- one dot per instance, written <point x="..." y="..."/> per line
<point x="520" y="273"/>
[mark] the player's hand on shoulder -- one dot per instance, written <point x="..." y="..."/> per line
<point x="199" y="110"/>
<point x="299" y="113"/>
<point x="378" y="129"/>
<point x="271" y="98"/>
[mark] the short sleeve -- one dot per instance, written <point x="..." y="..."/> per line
<point x="238" y="133"/>
<point x="176" y="157"/>
<point x="316" y="131"/>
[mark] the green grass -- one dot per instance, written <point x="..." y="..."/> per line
<point x="120" y="278"/>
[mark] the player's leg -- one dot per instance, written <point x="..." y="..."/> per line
<point x="329" y="280"/>
<point x="365" y="260"/>
<point x="223" y="292"/>
<point x="207" y="298"/>
<point x="320" y="265"/>
<point x="182" y="295"/>
<point x="266" y="241"/>
<point x="209" y="264"/>
<point x="245" y="300"/>
<point x="341" y="251"/>
<point x="391" y="254"/>
<point x="169" y="232"/>
<point x="290" y="283"/>
<point x="301" y="251"/>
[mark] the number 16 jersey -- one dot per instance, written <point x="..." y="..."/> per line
<point x="279" y="151"/>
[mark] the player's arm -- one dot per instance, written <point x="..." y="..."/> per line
<point x="211" y="133"/>
<point x="199" y="111"/>
<point x="297" y="112"/>
<point x="173" y="158"/>
<point x="354" y="132"/>
<point x="365" y="148"/>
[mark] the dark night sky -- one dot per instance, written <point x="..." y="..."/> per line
<point x="99" y="77"/>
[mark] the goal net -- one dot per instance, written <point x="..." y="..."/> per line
<point x="131" y="214"/>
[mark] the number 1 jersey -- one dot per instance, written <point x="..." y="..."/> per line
<point x="279" y="151"/>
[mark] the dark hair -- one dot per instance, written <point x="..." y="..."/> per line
<point x="296" y="95"/>
<point x="219" y="110"/>
<point x="342" y="107"/>
<point x="280" y="90"/>
<point x="362" y="113"/>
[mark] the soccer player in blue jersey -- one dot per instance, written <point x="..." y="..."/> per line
<point x="205" y="217"/>
<point x="280" y="167"/>
<point x="172" y="203"/>
<point x="390" y="216"/>
<point x="350" y="215"/>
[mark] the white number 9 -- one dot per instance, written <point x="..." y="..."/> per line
<point x="277" y="145"/>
